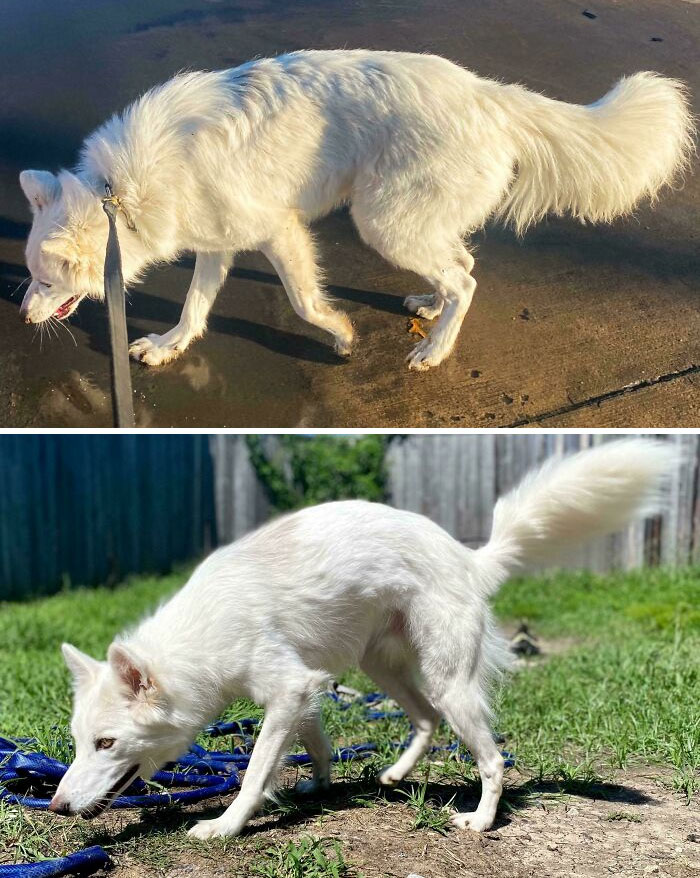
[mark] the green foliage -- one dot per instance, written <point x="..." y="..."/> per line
<point x="622" y="687"/>
<point x="428" y="814"/>
<point x="652" y="600"/>
<point x="26" y="835"/>
<point x="629" y="816"/>
<point x="307" y="858"/>
<point x="307" y="470"/>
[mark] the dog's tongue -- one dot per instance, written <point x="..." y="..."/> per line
<point x="61" y="311"/>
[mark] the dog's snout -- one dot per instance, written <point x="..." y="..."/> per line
<point x="60" y="806"/>
<point x="24" y="311"/>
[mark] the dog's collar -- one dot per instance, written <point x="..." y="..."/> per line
<point x="111" y="198"/>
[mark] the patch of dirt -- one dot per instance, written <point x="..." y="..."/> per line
<point x="633" y="825"/>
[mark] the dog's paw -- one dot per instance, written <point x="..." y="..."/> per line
<point x="344" y="334"/>
<point x="343" y="345"/>
<point x="155" y="350"/>
<point x="206" y="829"/>
<point x="471" y="820"/>
<point x="311" y="786"/>
<point x="423" y="356"/>
<point x="389" y="777"/>
<point x="424" y="306"/>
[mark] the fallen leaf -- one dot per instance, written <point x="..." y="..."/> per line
<point x="415" y="327"/>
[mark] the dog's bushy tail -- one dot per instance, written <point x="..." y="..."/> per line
<point x="597" y="161"/>
<point x="571" y="500"/>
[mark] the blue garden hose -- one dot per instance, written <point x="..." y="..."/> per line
<point x="83" y="862"/>
<point x="220" y="779"/>
<point x="208" y="772"/>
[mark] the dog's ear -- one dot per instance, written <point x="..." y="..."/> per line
<point x="131" y="670"/>
<point x="81" y="666"/>
<point x="40" y="188"/>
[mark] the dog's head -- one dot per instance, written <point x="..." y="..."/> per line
<point x="66" y="245"/>
<point x="122" y="728"/>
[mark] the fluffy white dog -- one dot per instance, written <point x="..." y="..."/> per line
<point x="272" y="616"/>
<point x="423" y="151"/>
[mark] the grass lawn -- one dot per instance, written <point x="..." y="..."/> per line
<point x="619" y="686"/>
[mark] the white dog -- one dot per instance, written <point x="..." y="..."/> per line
<point x="423" y="151"/>
<point x="274" y="615"/>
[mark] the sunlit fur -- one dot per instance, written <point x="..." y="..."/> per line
<point x="273" y="616"/>
<point x="422" y="150"/>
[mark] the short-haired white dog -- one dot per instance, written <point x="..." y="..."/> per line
<point x="422" y="150"/>
<point x="274" y="615"/>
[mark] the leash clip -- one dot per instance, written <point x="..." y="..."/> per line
<point x="118" y="204"/>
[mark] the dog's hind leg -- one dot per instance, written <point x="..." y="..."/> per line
<point x="291" y="252"/>
<point x="397" y="682"/>
<point x="464" y="709"/>
<point x="317" y="745"/>
<point x="210" y="272"/>
<point x="428" y="244"/>
<point x="294" y="698"/>
<point x="454" y="287"/>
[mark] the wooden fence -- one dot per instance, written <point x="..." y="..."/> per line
<point x="89" y="509"/>
<point x="241" y="503"/>
<point x="456" y="480"/>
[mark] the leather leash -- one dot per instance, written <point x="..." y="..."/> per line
<point x="115" y="295"/>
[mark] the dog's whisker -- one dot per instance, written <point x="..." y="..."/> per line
<point x="50" y="328"/>
<point x="19" y="286"/>
<point x="64" y="325"/>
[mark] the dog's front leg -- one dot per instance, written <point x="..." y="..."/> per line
<point x="279" y="727"/>
<point x="210" y="272"/>
<point x="291" y="252"/>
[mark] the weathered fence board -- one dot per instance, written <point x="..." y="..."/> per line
<point x="87" y="509"/>
<point x="455" y="480"/>
<point x="241" y="503"/>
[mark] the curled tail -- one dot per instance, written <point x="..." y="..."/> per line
<point x="568" y="502"/>
<point x="597" y="161"/>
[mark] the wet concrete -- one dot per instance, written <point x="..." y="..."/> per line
<point x="573" y="326"/>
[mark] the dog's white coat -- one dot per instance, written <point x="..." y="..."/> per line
<point x="423" y="151"/>
<point x="274" y="615"/>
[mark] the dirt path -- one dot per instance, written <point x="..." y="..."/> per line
<point x="634" y="825"/>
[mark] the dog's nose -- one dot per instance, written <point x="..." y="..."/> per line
<point x="59" y="806"/>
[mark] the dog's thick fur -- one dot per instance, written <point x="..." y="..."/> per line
<point x="423" y="151"/>
<point x="274" y="615"/>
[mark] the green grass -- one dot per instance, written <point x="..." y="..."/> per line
<point x="624" y="689"/>
<point x="428" y="814"/>
<point x="307" y="858"/>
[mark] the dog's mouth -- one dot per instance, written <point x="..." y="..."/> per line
<point x="64" y="310"/>
<point x="105" y="801"/>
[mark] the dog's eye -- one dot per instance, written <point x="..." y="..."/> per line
<point x="104" y="743"/>
<point x="44" y="284"/>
